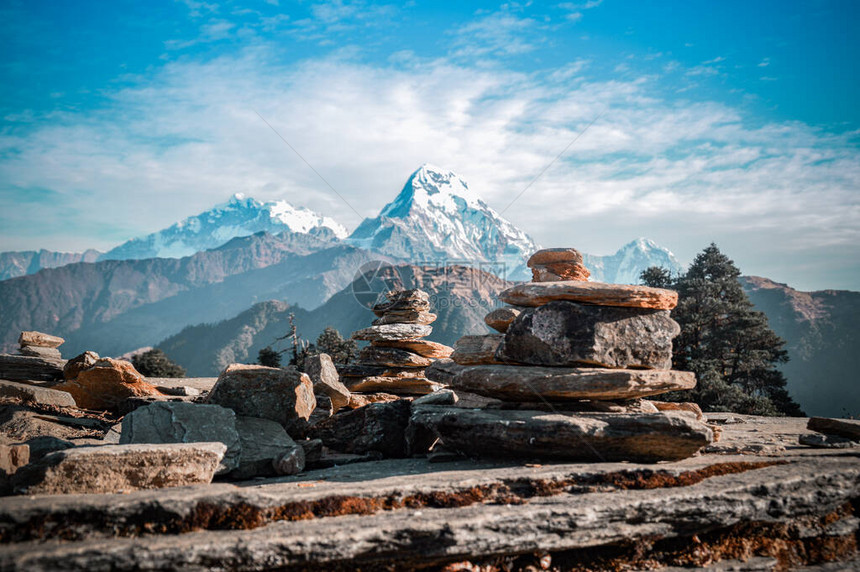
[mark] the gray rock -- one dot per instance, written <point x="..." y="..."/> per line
<point x="178" y="422"/>
<point x="290" y="462"/>
<point x="263" y="442"/>
<point x="409" y="316"/>
<point x="35" y="394"/>
<point x="118" y="468"/>
<point x="441" y="397"/>
<point x="326" y="380"/>
<point x="476" y="350"/>
<point x="30" y="368"/>
<point x="313" y="450"/>
<point x="41" y="446"/>
<point x="827" y="441"/>
<point x="564" y="436"/>
<point x="529" y="383"/>
<point x="443" y="371"/>
<point x="392" y="357"/>
<point x="393" y="332"/>
<point x="323" y="411"/>
<point x="78" y="364"/>
<point x="282" y="395"/>
<point x="570" y="334"/>
<point x="849" y="428"/>
<point x="36" y="351"/>
<point x="398" y="300"/>
<point x="377" y="427"/>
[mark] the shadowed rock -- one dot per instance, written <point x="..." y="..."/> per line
<point x="326" y="380"/>
<point x="476" y="350"/>
<point x="392" y="357"/>
<point x="376" y="427"/>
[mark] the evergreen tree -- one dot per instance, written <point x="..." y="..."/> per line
<point x="155" y="363"/>
<point x="728" y="345"/>
<point x="329" y="342"/>
<point x="269" y="357"/>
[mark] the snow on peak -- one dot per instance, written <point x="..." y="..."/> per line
<point x="239" y="216"/>
<point x="625" y="266"/>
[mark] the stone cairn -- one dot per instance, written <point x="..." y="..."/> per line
<point x="568" y="371"/>
<point x="38" y="359"/>
<point x="394" y="363"/>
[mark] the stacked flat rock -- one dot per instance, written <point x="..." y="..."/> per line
<point x="395" y="361"/>
<point x="571" y="363"/>
<point x="38" y="359"/>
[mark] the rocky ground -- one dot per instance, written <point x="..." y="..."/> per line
<point x="756" y="500"/>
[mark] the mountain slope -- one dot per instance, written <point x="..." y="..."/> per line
<point x="240" y="216"/>
<point x="14" y="264"/>
<point x="822" y="334"/>
<point x="625" y="266"/>
<point x="113" y="306"/>
<point x="436" y="220"/>
<point x="460" y="297"/>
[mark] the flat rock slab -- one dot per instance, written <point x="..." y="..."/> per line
<point x="529" y="383"/>
<point x="392" y="357"/>
<point x="35" y="394"/>
<point x="569" y="333"/>
<point x="393" y="332"/>
<point x="848" y="428"/>
<point x="424" y="348"/>
<point x="408" y="316"/>
<point x="398" y="300"/>
<point x="476" y="350"/>
<point x="118" y="468"/>
<point x="26" y="368"/>
<point x="597" y="293"/>
<point x="40" y="340"/>
<point x="565" y="436"/>
<point x="365" y="370"/>
<point x="282" y="395"/>
<point x="398" y="385"/>
<point x="177" y="422"/>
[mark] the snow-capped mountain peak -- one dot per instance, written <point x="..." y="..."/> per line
<point x="436" y="218"/>
<point x="625" y="266"/>
<point x="239" y="216"/>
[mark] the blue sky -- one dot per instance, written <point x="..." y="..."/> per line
<point x="733" y="122"/>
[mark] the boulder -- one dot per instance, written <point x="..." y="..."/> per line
<point x="79" y="363"/>
<point x="120" y="468"/>
<point x="33" y="394"/>
<point x="424" y="348"/>
<point x="399" y="385"/>
<point x="443" y="371"/>
<point x="326" y="380"/>
<point x="107" y="384"/>
<point x="570" y="334"/>
<point x="530" y="383"/>
<point x="263" y="443"/>
<point x="557" y="436"/>
<point x="392" y="357"/>
<point x="500" y="318"/>
<point x="475" y="350"/>
<point x="597" y="293"/>
<point x="397" y="300"/>
<point x="282" y="395"/>
<point x="848" y="428"/>
<point x="178" y="422"/>
<point x="290" y="462"/>
<point x="554" y="255"/>
<point x="390" y="332"/>
<point x="39" y="340"/>
<point x="408" y="316"/>
<point x="376" y="427"/>
<point x="30" y="368"/>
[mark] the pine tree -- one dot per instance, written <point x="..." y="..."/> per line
<point x="155" y="363"/>
<point x="724" y="341"/>
<point x="269" y="357"/>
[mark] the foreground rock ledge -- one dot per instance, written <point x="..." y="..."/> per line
<point x="530" y="383"/>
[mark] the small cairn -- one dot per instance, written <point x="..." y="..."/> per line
<point x="395" y="361"/>
<point x="571" y="365"/>
<point x="38" y="359"/>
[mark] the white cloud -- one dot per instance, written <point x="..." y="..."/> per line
<point x="681" y="172"/>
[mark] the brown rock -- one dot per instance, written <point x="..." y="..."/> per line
<point x="565" y="333"/>
<point x="500" y="318"/>
<point x="592" y="406"/>
<point x="38" y="339"/>
<point x="597" y="293"/>
<point x="390" y="332"/>
<point x="397" y="385"/>
<point x="392" y="357"/>
<point x="282" y="395"/>
<point x="357" y="400"/>
<point x="13" y="457"/>
<point x="117" y="468"/>
<point x="326" y="380"/>
<point x="525" y="383"/>
<point x="79" y="363"/>
<point x="408" y="316"/>
<point x="107" y="384"/>
<point x="403" y="300"/>
<point x="424" y="348"/>
<point x="443" y="371"/>
<point x="558" y="271"/>
<point x="36" y="351"/>
<point x="683" y="406"/>
<point x="475" y="350"/>
<point x="379" y="427"/>
<point x="366" y="370"/>
<point x="557" y="436"/>
<point x="553" y="255"/>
